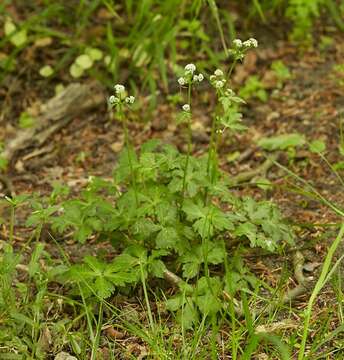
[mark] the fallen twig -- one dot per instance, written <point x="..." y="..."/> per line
<point x="55" y="114"/>
<point x="7" y="185"/>
<point x="250" y="174"/>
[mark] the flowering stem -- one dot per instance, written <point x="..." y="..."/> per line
<point x="189" y="147"/>
<point x="215" y="12"/>
<point x="128" y="146"/>
<point x="231" y="69"/>
<point x="215" y="138"/>
<point x="12" y="224"/>
<point x="212" y="156"/>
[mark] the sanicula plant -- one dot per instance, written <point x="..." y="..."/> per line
<point x="119" y="101"/>
<point x="226" y="115"/>
<point x="172" y="213"/>
<point x="188" y="80"/>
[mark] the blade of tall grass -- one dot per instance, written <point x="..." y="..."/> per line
<point x="323" y="278"/>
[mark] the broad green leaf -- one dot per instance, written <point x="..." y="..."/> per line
<point x="34" y="265"/>
<point x="76" y="71"/>
<point x="9" y="27"/>
<point x="103" y="278"/>
<point x="282" y="142"/>
<point x="138" y="252"/>
<point x="104" y="288"/>
<point x="46" y="71"/>
<point x="220" y="221"/>
<point x="188" y="315"/>
<point x="167" y="238"/>
<point x="3" y="163"/>
<point x="317" y="146"/>
<point x="94" y="53"/>
<point x="192" y="210"/>
<point x="216" y="254"/>
<point x="157" y="268"/>
<point x="84" y="61"/>
<point x="249" y="230"/>
<point x="26" y="120"/>
<point x="18" y="38"/>
<point x="123" y="262"/>
<point x="204" y="227"/>
<point x="191" y="269"/>
<point x="175" y="303"/>
<point x="264" y="183"/>
<point x="191" y="261"/>
<point x="208" y="291"/>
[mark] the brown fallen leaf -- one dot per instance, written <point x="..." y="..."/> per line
<point x="113" y="333"/>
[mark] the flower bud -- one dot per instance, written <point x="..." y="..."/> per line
<point x="218" y="72"/>
<point x="130" y="99"/>
<point x="254" y="42"/>
<point x="190" y="68"/>
<point x="186" y="107"/>
<point x="200" y="77"/>
<point x="237" y="43"/>
<point x="219" y="84"/>
<point x="119" y="89"/>
<point x="181" y="81"/>
<point x="113" y="99"/>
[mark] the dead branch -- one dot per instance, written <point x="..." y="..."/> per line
<point x="74" y="100"/>
<point x="250" y="174"/>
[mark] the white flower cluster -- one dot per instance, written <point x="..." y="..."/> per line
<point x="190" y="68"/>
<point x="218" y="79"/>
<point x="130" y="99"/>
<point x="237" y="43"/>
<point x="120" y="96"/>
<point x="186" y="107"/>
<point x="250" y="43"/>
<point x="229" y="92"/>
<point x="240" y="47"/>
<point x="190" y="76"/>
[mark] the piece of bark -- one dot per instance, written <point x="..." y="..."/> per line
<point x="74" y="100"/>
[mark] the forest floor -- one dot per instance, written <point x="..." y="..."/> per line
<point x="309" y="102"/>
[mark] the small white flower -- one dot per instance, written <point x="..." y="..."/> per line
<point x="190" y="68"/>
<point x="218" y="72"/>
<point x="198" y="78"/>
<point x="229" y="92"/>
<point x="186" y="107"/>
<point x="119" y="89"/>
<point x="254" y="42"/>
<point x="181" y="81"/>
<point x="219" y="84"/>
<point x="212" y="78"/>
<point x="237" y="43"/>
<point x="130" y="99"/>
<point x="113" y="99"/>
<point x="247" y="43"/>
<point x="269" y="243"/>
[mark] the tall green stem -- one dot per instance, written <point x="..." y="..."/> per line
<point x="323" y="278"/>
<point x="215" y="12"/>
<point x="189" y="147"/>
<point x="12" y="223"/>
<point x="149" y="310"/>
<point x="231" y="69"/>
<point x="128" y="147"/>
<point x="95" y="342"/>
<point x="212" y="165"/>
